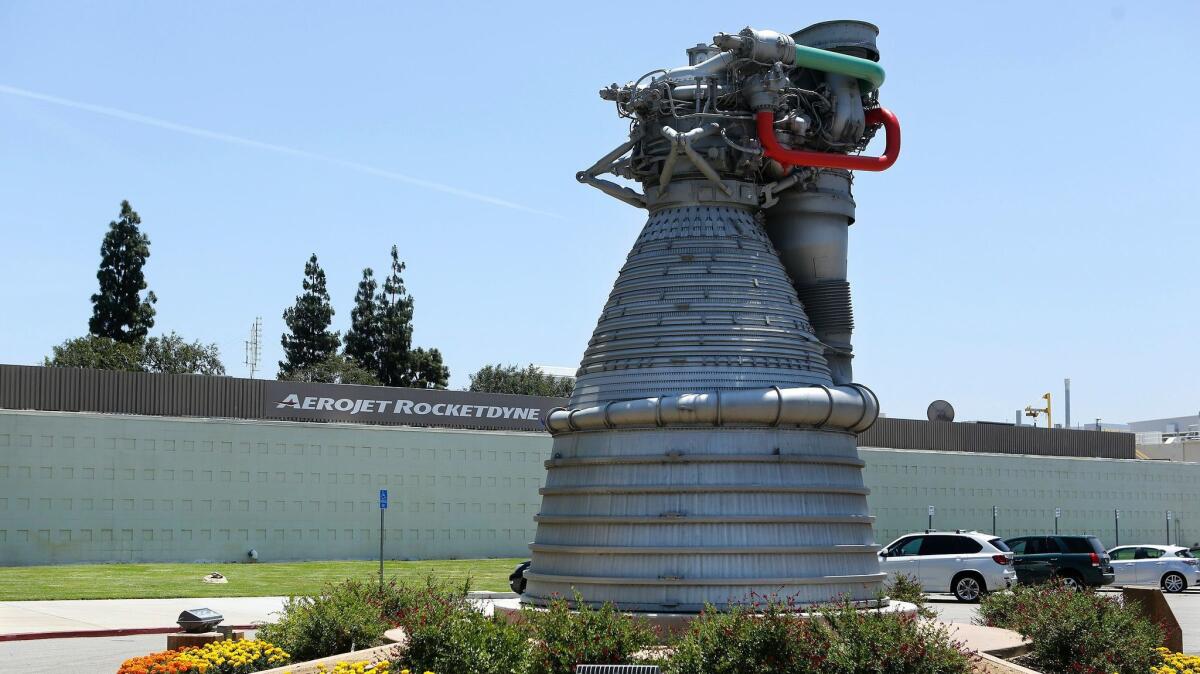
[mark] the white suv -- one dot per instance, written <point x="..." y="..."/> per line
<point x="1169" y="566"/>
<point x="965" y="563"/>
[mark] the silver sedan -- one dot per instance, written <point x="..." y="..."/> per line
<point x="1168" y="566"/>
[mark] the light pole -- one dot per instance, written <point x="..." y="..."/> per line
<point x="1031" y="411"/>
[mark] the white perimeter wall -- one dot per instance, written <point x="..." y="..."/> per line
<point x="78" y="487"/>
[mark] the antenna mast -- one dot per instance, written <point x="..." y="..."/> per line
<point x="253" y="352"/>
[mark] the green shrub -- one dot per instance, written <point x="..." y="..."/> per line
<point x="890" y="643"/>
<point x="1077" y="632"/>
<point x="343" y="617"/>
<point x="465" y="640"/>
<point x="566" y="638"/>
<point x="1004" y="609"/>
<point x="408" y="605"/>
<point x="764" y="639"/>
<point x="837" y="639"/>
<point x="907" y="588"/>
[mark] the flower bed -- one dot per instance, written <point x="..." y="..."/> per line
<point x="445" y="631"/>
<point x="1176" y="663"/>
<point x="218" y="657"/>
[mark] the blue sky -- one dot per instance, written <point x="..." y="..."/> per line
<point x="1039" y="224"/>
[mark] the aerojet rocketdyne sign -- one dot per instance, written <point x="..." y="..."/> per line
<point x="417" y="407"/>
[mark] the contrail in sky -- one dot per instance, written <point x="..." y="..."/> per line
<point x="270" y="147"/>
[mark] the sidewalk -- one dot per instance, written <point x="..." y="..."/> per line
<point x="20" y="620"/>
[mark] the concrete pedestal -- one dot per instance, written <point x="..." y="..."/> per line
<point x="196" y="639"/>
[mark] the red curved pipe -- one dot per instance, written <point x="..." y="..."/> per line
<point x="891" y="150"/>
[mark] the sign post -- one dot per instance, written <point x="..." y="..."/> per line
<point x="1117" y="524"/>
<point x="1057" y="514"/>
<point x="931" y="510"/>
<point x="1168" y="527"/>
<point x="995" y="512"/>
<point x="382" y="508"/>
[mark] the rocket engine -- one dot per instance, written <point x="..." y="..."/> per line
<point x="708" y="452"/>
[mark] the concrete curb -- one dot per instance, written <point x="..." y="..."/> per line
<point x="484" y="594"/>
<point x="116" y="632"/>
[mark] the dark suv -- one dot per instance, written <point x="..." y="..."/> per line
<point x="1078" y="561"/>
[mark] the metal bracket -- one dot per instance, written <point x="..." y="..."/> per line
<point x="682" y="142"/>
<point x="770" y="191"/>
<point x="609" y="163"/>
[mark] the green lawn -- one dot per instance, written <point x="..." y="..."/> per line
<point x="155" y="581"/>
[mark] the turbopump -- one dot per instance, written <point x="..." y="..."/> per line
<point x="709" y="450"/>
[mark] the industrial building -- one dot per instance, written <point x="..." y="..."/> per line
<point x="107" y="466"/>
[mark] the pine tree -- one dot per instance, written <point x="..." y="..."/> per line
<point x="362" y="340"/>
<point x="118" y="310"/>
<point x="427" y="370"/>
<point x="395" y="311"/>
<point x="399" y="363"/>
<point x="309" y="341"/>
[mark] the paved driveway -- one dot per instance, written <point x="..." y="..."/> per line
<point x="20" y="617"/>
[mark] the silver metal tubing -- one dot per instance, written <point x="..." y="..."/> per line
<point x="687" y="92"/>
<point x="707" y="68"/>
<point x="852" y="407"/>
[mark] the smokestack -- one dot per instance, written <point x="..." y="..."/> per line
<point x="709" y="450"/>
<point x="1067" y="396"/>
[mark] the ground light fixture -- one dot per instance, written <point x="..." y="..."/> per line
<point x="199" y="620"/>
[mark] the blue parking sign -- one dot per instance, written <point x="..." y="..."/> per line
<point x="383" y="499"/>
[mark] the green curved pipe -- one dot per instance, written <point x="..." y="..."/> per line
<point x="869" y="73"/>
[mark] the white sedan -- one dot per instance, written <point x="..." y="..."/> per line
<point x="1168" y="566"/>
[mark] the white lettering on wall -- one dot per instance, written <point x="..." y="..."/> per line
<point x="355" y="406"/>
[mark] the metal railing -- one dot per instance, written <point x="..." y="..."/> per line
<point x="1162" y="438"/>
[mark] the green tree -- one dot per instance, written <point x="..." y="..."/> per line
<point x="529" y="380"/>
<point x="309" y="340"/>
<point x="362" y="340"/>
<point x="100" y="353"/>
<point x="118" y="311"/>
<point x="335" y="369"/>
<point x="172" y="355"/>
<point x="169" y="354"/>
<point x="395" y="312"/>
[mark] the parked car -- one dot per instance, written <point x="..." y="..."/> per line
<point x="1077" y="561"/>
<point x="1169" y="566"/>
<point x="966" y="564"/>
<point x="516" y="579"/>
